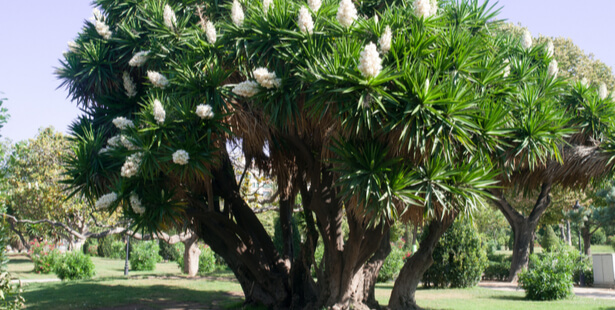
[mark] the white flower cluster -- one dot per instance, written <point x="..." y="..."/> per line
<point x="101" y="27"/>
<point x="127" y="144"/>
<point x="346" y="13"/>
<point x="425" y="8"/>
<point x="114" y="141"/>
<point x="138" y="59"/>
<point x="602" y="91"/>
<point x="181" y="157"/>
<point x="119" y="140"/>
<point x="122" y="123"/>
<point x="237" y="15"/>
<point x="584" y="82"/>
<point x="266" y="5"/>
<point x="506" y="71"/>
<point x="210" y="32"/>
<point x="131" y="165"/>
<point x="385" y="40"/>
<point x="129" y="85"/>
<point x="170" y="20"/>
<point x="157" y="79"/>
<point x="204" y="111"/>
<point x="72" y="46"/>
<point x="265" y="78"/>
<point x="550" y="48"/>
<point x="135" y="202"/>
<point x="314" y="5"/>
<point x="105" y="201"/>
<point x="305" y="22"/>
<point x="246" y="89"/>
<point x="552" y="70"/>
<point x="158" y="111"/>
<point x="370" y="63"/>
<point x="526" y="39"/>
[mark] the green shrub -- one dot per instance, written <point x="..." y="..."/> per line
<point x="117" y="250"/>
<point x="170" y="252"/>
<point x="45" y="261"/>
<point x="90" y="247"/>
<point x="144" y="256"/>
<point x="207" y="260"/>
<point x="105" y="245"/>
<point x="549" y="276"/>
<point x="392" y="264"/>
<point x="583" y="264"/>
<point x="74" y="266"/>
<point x="599" y="237"/>
<point x="498" y="266"/>
<point x="548" y="241"/>
<point x="459" y="258"/>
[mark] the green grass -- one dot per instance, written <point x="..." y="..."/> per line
<point x="601" y="249"/>
<point x="166" y="288"/>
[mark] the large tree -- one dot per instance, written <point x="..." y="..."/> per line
<point x="419" y="126"/>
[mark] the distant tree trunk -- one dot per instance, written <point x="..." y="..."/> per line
<point x="191" y="256"/>
<point x="371" y="270"/>
<point x="523" y="227"/>
<point x="402" y="296"/>
<point x="568" y="234"/>
<point x="587" y="235"/>
<point x="562" y="232"/>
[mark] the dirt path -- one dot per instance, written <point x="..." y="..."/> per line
<point x="589" y="292"/>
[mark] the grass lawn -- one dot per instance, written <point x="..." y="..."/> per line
<point x="602" y="249"/>
<point x="166" y="288"/>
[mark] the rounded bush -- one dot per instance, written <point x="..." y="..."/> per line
<point x="74" y="266"/>
<point x="105" y="248"/>
<point x="548" y="241"/>
<point x="117" y="250"/>
<point x="170" y="252"/>
<point x="392" y="264"/>
<point x="207" y="260"/>
<point x="459" y="258"/>
<point x="144" y="256"/>
<point x="549" y="276"/>
<point x="599" y="237"/>
<point x="90" y="247"/>
<point x="498" y="266"/>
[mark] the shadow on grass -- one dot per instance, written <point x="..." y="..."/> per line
<point x="508" y="297"/>
<point x="20" y="260"/>
<point x="120" y="296"/>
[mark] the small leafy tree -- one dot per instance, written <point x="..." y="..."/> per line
<point x="549" y="276"/>
<point x="549" y="240"/>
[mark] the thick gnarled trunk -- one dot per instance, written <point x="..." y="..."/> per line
<point x="403" y="294"/>
<point x="523" y="227"/>
<point x="191" y="256"/>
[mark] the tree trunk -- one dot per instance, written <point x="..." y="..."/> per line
<point x="371" y="270"/>
<point x="568" y="234"/>
<point x="585" y="233"/>
<point x="562" y="232"/>
<point x="191" y="256"/>
<point x="523" y="227"/>
<point x="402" y="296"/>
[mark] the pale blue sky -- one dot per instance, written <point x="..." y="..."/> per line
<point x="34" y="33"/>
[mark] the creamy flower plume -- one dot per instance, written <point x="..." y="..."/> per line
<point x="157" y="79"/>
<point x="135" y="202"/>
<point x="170" y="20"/>
<point x="526" y="39"/>
<point x="550" y="48"/>
<point x="210" y="32"/>
<point x="314" y="5"/>
<point x="246" y="89"/>
<point x="425" y="8"/>
<point x="129" y="85"/>
<point x="376" y="18"/>
<point x="305" y="22"/>
<point x="553" y="69"/>
<point x="105" y="201"/>
<point x="204" y="111"/>
<point x="266" y="5"/>
<point x="138" y="59"/>
<point x="114" y="141"/>
<point x="584" y="82"/>
<point x="101" y="27"/>
<point x="181" y="157"/>
<point x="237" y="15"/>
<point x="122" y="123"/>
<point x="72" y="46"/>
<point x="506" y="71"/>
<point x="370" y="63"/>
<point x="602" y="91"/>
<point x="385" y="40"/>
<point x="266" y="79"/>
<point x="127" y="144"/>
<point x="131" y="165"/>
<point x="158" y="111"/>
<point x="346" y="13"/>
